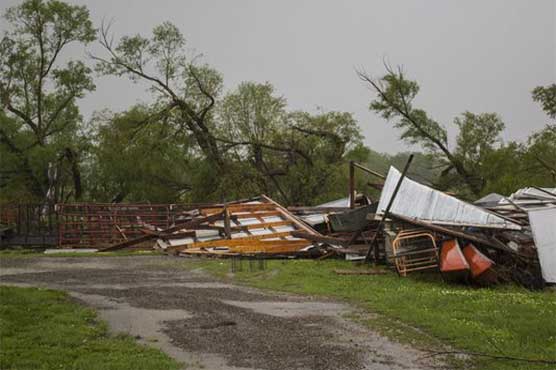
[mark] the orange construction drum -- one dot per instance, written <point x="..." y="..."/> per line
<point x="453" y="264"/>
<point x="481" y="265"/>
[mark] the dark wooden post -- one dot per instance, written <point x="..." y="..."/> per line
<point x="227" y="228"/>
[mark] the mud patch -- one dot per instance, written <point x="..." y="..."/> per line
<point x="141" y="323"/>
<point x="292" y="309"/>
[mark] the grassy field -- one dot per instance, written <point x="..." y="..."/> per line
<point x="422" y="310"/>
<point x="43" y="330"/>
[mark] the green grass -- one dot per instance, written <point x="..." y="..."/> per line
<point x="43" y="329"/>
<point x="421" y="309"/>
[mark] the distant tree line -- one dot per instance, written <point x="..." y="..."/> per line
<point x="196" y="142"/>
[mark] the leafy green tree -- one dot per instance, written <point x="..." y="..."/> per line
<point x="137" y="158"/>
<point x="546" y="96"/>
<point x="478" y="134"/>
<point x="250" y="118"/>
<point x="505" y="170"/>
<point x="292" y="156"/>
<point x="184" y="91"/>
<point x="541" y="156"/>
<point x="39" y="121"/>
<point x="329" y="140"/>
<point x="541" y="151"/>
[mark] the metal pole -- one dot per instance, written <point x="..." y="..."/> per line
<point x="374" y="173"/>
<point x="351" y="184"/>
<point x="544" y="191"/>
<point x="385" y="215"/>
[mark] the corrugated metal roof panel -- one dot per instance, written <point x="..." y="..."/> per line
<point x="418" y="201"/>
<point x="543" y="225"/>
<point x="534" y="193"/>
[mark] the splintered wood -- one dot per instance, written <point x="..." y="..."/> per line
<point x="259" y="226"/>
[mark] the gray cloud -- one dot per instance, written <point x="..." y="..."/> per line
<point x="467" y="55"/>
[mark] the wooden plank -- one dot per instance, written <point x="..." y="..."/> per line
<point x="271" y="248"/>
<point x="262" y="225"/>
<point x="320" y="238"/>
<point x="249" y="240"/>
<point x="249" y="237"/>
<point x="252" y="214"/>
<point x="227" y="230"/>
<point x="290" y="216"/>
<point x="178" y="235"/>
<point x="205" y="252"/>
<point x="240" y="208"/>
<point x="318" y="209"/>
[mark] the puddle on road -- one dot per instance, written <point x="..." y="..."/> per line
<point x="5" y="271"/>
<point x="158" y="284"/>
<point x="291" y="309"/>
<point x="146" y="325"/>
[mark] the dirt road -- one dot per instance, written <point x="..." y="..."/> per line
<point x="209" y="324"/>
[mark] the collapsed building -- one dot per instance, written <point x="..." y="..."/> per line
<point x="412" y="228"/>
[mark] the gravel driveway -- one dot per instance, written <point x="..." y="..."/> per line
<point x="209" y="324"/>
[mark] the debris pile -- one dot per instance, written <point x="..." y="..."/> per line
<point x="412" y="227"/>
<point x="415" y="228"/>
<point x="256" y="226"/>
<point x="495" y="239"/>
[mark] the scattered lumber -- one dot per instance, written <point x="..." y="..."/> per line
<point x="180" y="225"/>
<point x="260" y="226"/>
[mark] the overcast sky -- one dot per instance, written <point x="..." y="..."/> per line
<point x="481" y="56"/>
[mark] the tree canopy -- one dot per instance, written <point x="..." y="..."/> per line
<point x="40" y="120"/>
<point x="194" y="141"/>
<point x="467" y="164"/>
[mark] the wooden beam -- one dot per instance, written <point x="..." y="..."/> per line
<point x="227" y="230"/>
<point x="264" y="225"/>
<point x="271" y="248"/>
<point x="254" y="214"/>
<point x="317" y="209"/>
<point x="320" y="238"/>
<point x="290" y="216"/>
<point x="240" y="208"/>
<point x="222" y="242"/>
<point x="248" y="240"/>
<point x="455" y="233"/>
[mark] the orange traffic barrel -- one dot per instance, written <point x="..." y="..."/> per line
<point x="453" y="264"/>
<point x="481" y="265"/>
